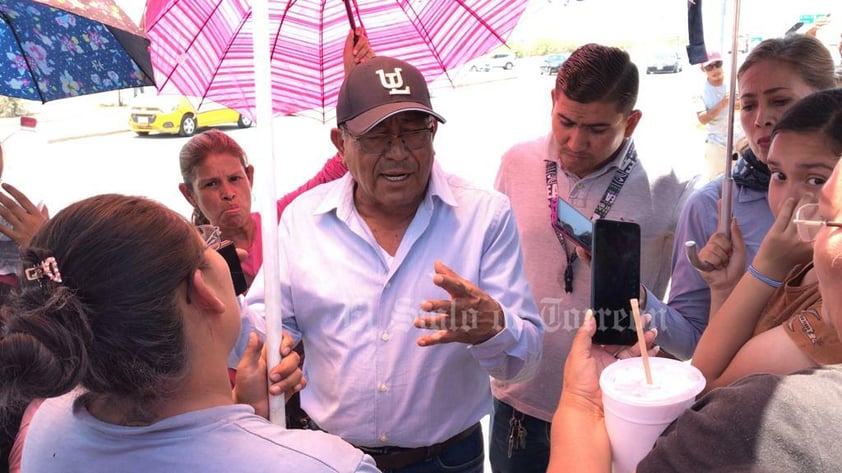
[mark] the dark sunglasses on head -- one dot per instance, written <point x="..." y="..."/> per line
<point x="715" y="65"/>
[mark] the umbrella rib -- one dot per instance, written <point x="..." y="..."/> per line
<point x="8" y="21"/>
<point x="481" y="20"/>
<point x="227" y="50"/>
<point x="359" y="17"/>
<point x="280" y="26"/>
<point x="161" y="14"/>
<point x="126" y="40"/>
<point x="428" y="40"/>
<point x="152" y="27"/>
<point x="322" y="57"/>
<point x="278" y="38"/>
<point x="191" y="43"/>
<point x="239" y="28"/>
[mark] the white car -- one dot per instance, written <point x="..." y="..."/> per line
<point x="478" y="65"/>
<point x="504" y="60"/>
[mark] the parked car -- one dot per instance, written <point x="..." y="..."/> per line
<point x="504" y="60"/>
<point x="478" y="65"/>
<point x="664" y="62"/>
<point x="175" y="114"/>
<point x="552" y="63"/>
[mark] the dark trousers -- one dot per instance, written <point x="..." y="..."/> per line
<point x="533" y="458"/>
<point x="297" y="418"/>
<point x="466" y="456"/>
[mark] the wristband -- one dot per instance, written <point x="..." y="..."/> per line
<point x="764" y="279"/>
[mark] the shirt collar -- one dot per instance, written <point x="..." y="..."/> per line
<point x="613" y="164"/>
<point x="340" y="197"/>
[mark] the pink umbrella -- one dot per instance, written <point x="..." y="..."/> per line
<point x="206" y="49"/>
<point x="203" y="48"/>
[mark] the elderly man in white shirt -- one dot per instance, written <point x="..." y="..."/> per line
<point x="405" y="283"/>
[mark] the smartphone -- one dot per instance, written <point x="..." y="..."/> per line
<point x="615" y="280"/>
<point x="794" y="28"/>
<point x="229" y="252"/>
<point x="572" y="224"/>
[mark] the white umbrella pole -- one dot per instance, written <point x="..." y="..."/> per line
<point x="268" y="206"/>
<point x="727" y="182"/>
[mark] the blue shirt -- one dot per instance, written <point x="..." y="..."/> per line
<point x="683" y="318"/>
<point x="64" y="437"/>
<point x="353" y="306"/>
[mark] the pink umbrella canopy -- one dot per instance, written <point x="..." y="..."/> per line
<point x="203" y="48"/>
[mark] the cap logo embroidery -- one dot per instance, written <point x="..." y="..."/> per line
<point x="393" y="81"/>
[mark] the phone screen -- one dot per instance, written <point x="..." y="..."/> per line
<point x="229" y="252"/>
<point x="575" y="226"/>
<point x="615" y="280"/>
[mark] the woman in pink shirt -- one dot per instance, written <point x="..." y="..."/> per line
<point x="218" y="178"/>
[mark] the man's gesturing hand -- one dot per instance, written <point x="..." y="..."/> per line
<point x="469" y="316"/>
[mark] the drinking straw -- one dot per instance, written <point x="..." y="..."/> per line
<point x="641" y="340"/>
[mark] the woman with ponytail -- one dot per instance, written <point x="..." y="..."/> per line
<point x="125" y="320"/>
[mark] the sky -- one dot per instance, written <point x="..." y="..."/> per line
<point x="647" y="21"/>
<point x="134" y="8"/>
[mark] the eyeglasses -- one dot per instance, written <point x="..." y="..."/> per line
<point x="380" y="143"/>
<point x="809" y="222"/>
<point x="713" y="66"/>
<point x="212" y="236"/>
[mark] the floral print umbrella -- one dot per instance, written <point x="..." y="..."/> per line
<point x="53" y="49"/>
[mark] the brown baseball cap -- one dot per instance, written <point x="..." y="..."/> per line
<point x="379" y="88"/>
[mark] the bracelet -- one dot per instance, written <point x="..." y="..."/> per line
<point x="767" y="280"/>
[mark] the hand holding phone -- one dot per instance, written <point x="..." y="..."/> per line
<point x="229" y="252"/>
<point x="615" y="280"/>
<point x="572" y="224"/>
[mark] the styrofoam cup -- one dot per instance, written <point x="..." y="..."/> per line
<point x="637" y="413"/>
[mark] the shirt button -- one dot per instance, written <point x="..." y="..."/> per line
<point x="383" y="388"/>
<point x="385" y="336"/>
<point x="383" y="437"/>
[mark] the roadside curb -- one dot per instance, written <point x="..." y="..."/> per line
<point x="86" y="135"/>
<point x="487" y="81"/>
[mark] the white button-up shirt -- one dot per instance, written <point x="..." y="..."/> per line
<point x="368" y="380"/>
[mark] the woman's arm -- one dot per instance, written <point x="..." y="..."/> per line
<point x="771" y="352"/>
<point x="727" y="255"/>
<point x="579" y="441"/>
<point x="333" y="169"/>
<point x="733" y="324"/>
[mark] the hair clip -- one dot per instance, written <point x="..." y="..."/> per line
<point x="45" y="269"/>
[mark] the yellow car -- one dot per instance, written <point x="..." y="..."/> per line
<point x="175" y="114"/>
